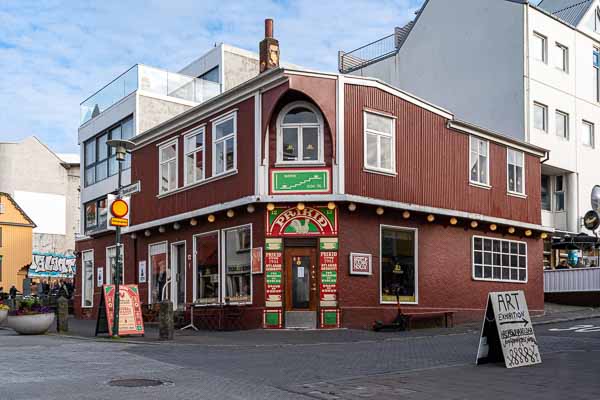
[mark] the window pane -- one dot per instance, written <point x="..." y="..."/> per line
<point x="539" y="117"/>
<point x="90" y="175"/>
<point x="290" y="144"/>
<point x="168" y="152"/>
<point x="519" y="178"/>
<point x="511" y="178"/>
<point x="372" y="150"/>
<point x="379" y="123"/>
<point x="483" y="174"/>
<point x="496" y="261"/>
<point x="90" y="152"/>
<point x="90" y="215"/>
<point x="562" y="124"/>
<point x="237" y="265"/>
<point x="587" y="137"/>
<point x="300" y="115"/>
<point x="113" y="165"/>
<point x="559" y="201"/>
<point x="172" y="175"/>
<point x="224" y="128"/>
<point x="207" y="269"/>
<point x="88" y="279"/>
<point x="539" y="48"/>
<point x="220" y="157"/>
<point x="199" y="165"/>
<point x="102" y="147"/>
<point x="546" y="193"/>
<point x="102" y="213"/>
<point x="159" y="273"/>
<point x="397" y="265"/>
<point x="230" y="154"/>
<point x="164" y="177"/>
<point x="115" y="133"/>
<point x="386" y="152"/>
<point x="127" y="129"/>
<point x="101" y="170"/>
<point x="474" y="167"/>
<point x="190" y="168"/>
<point x="310" y="144"/>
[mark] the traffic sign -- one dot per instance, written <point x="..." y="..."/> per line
<point x="118" y="209"/>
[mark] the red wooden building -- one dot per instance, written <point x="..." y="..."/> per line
<point x="303" y="198"/>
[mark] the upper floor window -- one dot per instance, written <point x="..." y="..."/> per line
<point x="380" y="142"/>
<point x="597" y="20"/>
<point x="540" y="47"/>
<point x="95" y="215"/>
<point x="546" y="201"/>
<point x="168" y="166"/>
<point x="562" y="124"/>
<point x="562" y="57"/>
<point x="596" y="71"/>
<point x="193" y="148"/>
<point x="300" y="134"/>
<point x="559" y="193"/>
<point x="516" y="167"/>
<point x="224" y="154"/>
<point x="587" y="134"/>
<point x="480" y="162"/>
<point x="540" y="117"/>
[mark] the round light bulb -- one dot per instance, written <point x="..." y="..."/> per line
<point x="544" y="235"/>
<point x="511" y="230"/>
<point x="147" y="233"/>
<point x="453" y="221"/>
<point x="211" y="218"/>
<point x="379" y="211"/>
<point x="193" y="222"/>
<point x="230" y="213"/>
<point x="161" y="229"/>
<point x="431" y="218"/>
<point x="270" y="206"/>
<point x="300" y="206"/>
<point x="331" y="205"/>
<point x="352" y="207"/>
<point x="250" y="208"/>
<point x="406" y="214"/>
<point x="528" y="232"/>
<point x="176" y="226"/>
<point x="493" y="227"/>
<point x="474" y="224"/>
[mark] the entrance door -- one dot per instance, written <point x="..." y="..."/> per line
<point x="178" y="262"/>
<point x="301" y="279"/>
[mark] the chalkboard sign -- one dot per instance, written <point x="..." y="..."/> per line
<point x="507" y="333"/>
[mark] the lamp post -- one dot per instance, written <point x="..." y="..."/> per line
<point x="121" y="147"/>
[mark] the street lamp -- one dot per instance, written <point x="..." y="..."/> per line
<point x="121" y="147"/>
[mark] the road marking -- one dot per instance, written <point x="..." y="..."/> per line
<point x="578" y="329"/>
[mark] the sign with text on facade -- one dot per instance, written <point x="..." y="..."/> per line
<point x="328" y="261"/>
<point x="118" y="212"/>
<point x="273" y="278"/>
<point x="310" y="221"/>
<point x="300" y="181"/>
<point x="134" y="188"/>
<point x="360" y="264"/>
<point x="507" y="333"/>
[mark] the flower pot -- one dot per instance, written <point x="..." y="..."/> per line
<point x="36" y="324"/>
<point x="3" y="315"/>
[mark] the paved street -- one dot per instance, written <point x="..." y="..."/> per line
<point x="302" y="365"/>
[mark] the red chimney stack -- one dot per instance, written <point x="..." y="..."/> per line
<point x="269" y="49"/>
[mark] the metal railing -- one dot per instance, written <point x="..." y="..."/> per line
<point x="572" y="280"/>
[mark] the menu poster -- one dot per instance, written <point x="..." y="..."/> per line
<point x="273" y="278"/>
<point x="130" y="311"/>
<point x="329" y="266"/>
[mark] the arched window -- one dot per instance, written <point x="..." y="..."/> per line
<point x="300" y="134"/>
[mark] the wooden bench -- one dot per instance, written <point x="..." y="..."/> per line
<point x="448" y="317"/>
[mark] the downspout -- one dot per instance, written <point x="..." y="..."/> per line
<point x="526" y="83"/>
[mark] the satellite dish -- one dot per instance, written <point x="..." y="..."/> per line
<point x="596" y="198"/>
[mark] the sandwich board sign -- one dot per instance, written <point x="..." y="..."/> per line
<point x="130" y="312"/>
<point x="507" y="333"/>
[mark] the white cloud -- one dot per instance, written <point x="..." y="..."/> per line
<point x="55" y="54"/>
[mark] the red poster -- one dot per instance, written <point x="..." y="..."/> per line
<point x="130" y="310"/>
<point x="329" y="270"/>
<point x="273" y="278"/>
<point x="257" y="260"/>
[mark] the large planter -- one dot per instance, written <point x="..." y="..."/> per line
<point x="3" y="315"/>
<point x="36" y="324"/>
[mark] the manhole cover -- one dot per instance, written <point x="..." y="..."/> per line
<point x="132" y="383"/>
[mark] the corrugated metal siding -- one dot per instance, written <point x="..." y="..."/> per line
<point x="432" y="162"/>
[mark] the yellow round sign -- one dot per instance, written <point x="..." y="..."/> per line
<point x="119" y="208"/>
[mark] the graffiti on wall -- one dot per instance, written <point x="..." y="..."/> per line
<point x="51" y="265"/>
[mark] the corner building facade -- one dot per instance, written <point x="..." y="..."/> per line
<point x="304" y="199"/>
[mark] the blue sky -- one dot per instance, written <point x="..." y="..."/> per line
<point x="54" y="54"/>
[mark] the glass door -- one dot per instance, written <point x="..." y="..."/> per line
<point x="178" y="261"/>
<point x="301" y="281"/>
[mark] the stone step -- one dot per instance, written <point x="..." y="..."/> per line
<point x="301" y="319"/>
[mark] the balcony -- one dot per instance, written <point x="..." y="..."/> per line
<point x="150" y="80"/>
<point x="572" y="280"/>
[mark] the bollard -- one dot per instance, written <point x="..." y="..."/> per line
<point x="62" y="315"/>
<point x="166" y="327"/>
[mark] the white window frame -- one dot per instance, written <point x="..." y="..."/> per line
<point x="487" y="160"/>
<point x="379" y="134"/>
<point x="592" y="131"/>
<point x="320" y="125"/>
<point x="508" y="167"/>
<point x="544" y="40"/>
<point x="482" y="255"/>
<point x="195" y="267"/>
<point x="545" y="119"/>
<point x="194" y="152"/>
<point x="218" y="121"/>
<point x="563" y="52"/>
<point x="108" y="278"/>
<point x="567" y="118"/>
<point x="223" y="264"/>
<point x="90" y="251"/>
<point x="161" y="162"/>
<point x="150" y="266"/>
<point x="416" y="233"/>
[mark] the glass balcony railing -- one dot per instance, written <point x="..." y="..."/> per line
<point x="151" y="80"/>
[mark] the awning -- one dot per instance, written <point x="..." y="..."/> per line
<point x="577" y="242"/>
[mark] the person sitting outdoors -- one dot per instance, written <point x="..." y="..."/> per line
<point x="563" y="265"/>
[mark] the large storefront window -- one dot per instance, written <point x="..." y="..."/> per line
<point x="87" y="278"/>
<point x="238" y="242"/>
<point x="398" y="264"/>
<point x="207" y="268"/>
<point x="111" y="264"/>
<point x="160" y="276"/>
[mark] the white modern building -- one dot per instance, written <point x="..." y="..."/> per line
<point x="528" y="71"/>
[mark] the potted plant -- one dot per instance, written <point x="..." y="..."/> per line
<point x="30" y="318"/>
<point x="3" y="312"/>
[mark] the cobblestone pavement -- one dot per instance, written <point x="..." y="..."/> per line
<point x="429" y="365"/>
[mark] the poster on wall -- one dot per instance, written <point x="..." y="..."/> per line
<point x="329" y="267"/>
<point x="257" y="260"/>
<point x="273" y="279"/>
<point x="130" y="311"/>
<point x="142" y="271"/>
<point x="100" y="276"/>
<point x="360" y="264"/>
<point x="507" y="333"/>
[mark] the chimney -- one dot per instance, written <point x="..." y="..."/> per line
<point x="269" y="49"/>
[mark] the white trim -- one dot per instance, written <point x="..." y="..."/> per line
<point x="416" y="256"/>
<point x="320" y="125"/>
<point x="379" y="112"/>
<point x="223" y="262"/>
<point x="174" y="287"/>
<point x="222" y="119"/>
<point x="195" y="266"/>
<point x="257" y="140"/>
<point x="150" y="266"/>
<point x="508" y="165"/>
<point x="487" y="161"/>
<point x="169" y="143"/>
<point x="193" y="129"/>
<point x="340" y="156"/>
<point x="108" y="277"/>
<point x="492" y="265"/>
<point x="200" y="131"/>
<point x="83" y="279"/>
<point x="379" y="135"/>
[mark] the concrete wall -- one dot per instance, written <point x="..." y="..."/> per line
<point x="238" y="68"/>
<point x="466" y="57"/>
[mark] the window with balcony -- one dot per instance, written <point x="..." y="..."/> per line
<point x="100" y="160"/>
<point x="193" y="147"/>
<point x="562" y="124"/>
<point x="516" y="168"/>
<point x="300" y="135"/>
<point x="540" y="116"/>
<point x="588" y="134"/>
<point x="379" y="142"/>
<point x="562" y="57"/>
<point x="167" y="167"/>
<point x="224" y="153"/>
<point x="539" y="47"/>
<point x="480" y="163"/>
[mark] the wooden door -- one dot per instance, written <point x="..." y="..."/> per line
<point x="301" y="279"/>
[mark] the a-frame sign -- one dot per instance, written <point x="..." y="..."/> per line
<point x="130" y="311"/>
<point x="507" y="333"/>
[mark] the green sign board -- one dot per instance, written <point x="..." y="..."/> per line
<point x="273" y="244"/>
<point x="300" y="181"/>
<point x="328" y="244"/>
<point x="272" y="318"/>
<point x="328" y="277"/>
<point x="329" y="318"/>
<point x="273" y="277"/>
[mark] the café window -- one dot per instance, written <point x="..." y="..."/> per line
<point x="193" y="148"/>
<point x="516" y="175"/>
<point x="224" y="133"/>
<point x="238" y="278"/>
<point x="87" y="281"/>
<point x="111" y="264"/>
<point x="379" y="142"/>
<point x="480" y="163"/>
<point x="160" y="274"/>
<point x="208" y="275"/>
<point x="300" y="134"/>
<point x="499" y="260"/>
<point x="398" y="264"/>
<point x="168" y="167"/>
<point x="95" y="215"/>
